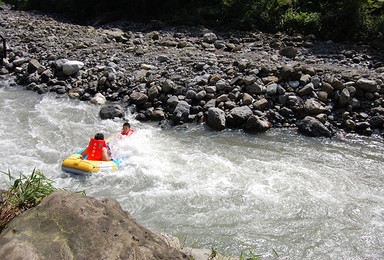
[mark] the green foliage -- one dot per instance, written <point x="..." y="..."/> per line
<point x="295" y="21"/>
<point x="28" y="191"/>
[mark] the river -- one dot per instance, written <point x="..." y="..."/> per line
<point x="303" y="198"/>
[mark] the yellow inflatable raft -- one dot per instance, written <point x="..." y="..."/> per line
<point x="76" y="165"/>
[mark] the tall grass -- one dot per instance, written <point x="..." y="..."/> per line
<point x="23" y="193"/>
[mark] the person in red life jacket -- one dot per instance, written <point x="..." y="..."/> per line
<point x="127" y="131"/>
<point x="97" y="149"/>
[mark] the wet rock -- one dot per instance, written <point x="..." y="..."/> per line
<point x="313" y="127"/>
<point x="238" y="116"/>
<point x="157" y="115"/>
<point x="181" y="112"/>
<point x="111" y="111"/>
<point x="256" y="125"/>
<point x="377" y="122"/>
<point x="216" y="118"/>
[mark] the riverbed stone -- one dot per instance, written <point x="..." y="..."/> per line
<point x="216" y="118"/>
<point x="313" y="127"/>
<point x="344" y="97"/>
<point x="238" y="116"/>
<point x="72" y="67"/>
<point x="111" y="112"/>
<point x="260" y="104"/>
<point x="138" y="98"/>
<point x="312" y="106"/>
<point x="367" y="85"/>
<point x="181" y="112"/>
<point x="256" y="125"/>
<point x="99" y="99"/>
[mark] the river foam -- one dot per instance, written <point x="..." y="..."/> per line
<point x="302" y="197"/>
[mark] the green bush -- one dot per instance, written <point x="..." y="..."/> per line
<point x="23" y="193"/>
<point x="295" y="21"/>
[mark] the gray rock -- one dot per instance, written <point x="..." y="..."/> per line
<point x="312" y="106"/>
<point x="313" y="127"/>
<point x="153" y="91"/>
<point x="272" y="89"/>
<point x="289" y="52"/>
<point x="173" y="101"/>
<point x="216" y="118"/>
<point x="98" y="99"/>
<point x="238" y="116"/>
<point x="247" y="99"/>
<point x="111" y="111"/>
<point x="326" y="87"/>
<point x="367" y="85"/>
<point x="168" y="86"/>
<point x="344" y="97"/>
<point x="209" y="104"/>
<point x="201" y="95"/>
<point x="222" y="98"/>
<point x="377" y="122"/>
<point x="260" y="104"/>
<point x="256" y="125"/>
<point x="220" y="84"/>
<point x="191" y="94"/>
<point x="157" y="115"/>
<point x="33" y="65"/>
<point x="138" y="98"/>
<point x="72" y="67"/>
<point x="254" y="88"/>
<point x="181" y="112"/>
<point x="209" y="37"/>
<point x="68" y="225"/>
<point x="307" y="90"/>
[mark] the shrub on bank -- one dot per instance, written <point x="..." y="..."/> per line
<point x="23" y="193"/>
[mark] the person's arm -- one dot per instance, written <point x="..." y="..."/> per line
<point x="106" y="157"/>
<point x="83" y="152"/>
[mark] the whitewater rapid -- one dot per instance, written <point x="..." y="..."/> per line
<point x="305" y="198"/>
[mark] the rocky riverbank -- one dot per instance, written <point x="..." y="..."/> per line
<point x="177" y="75"/>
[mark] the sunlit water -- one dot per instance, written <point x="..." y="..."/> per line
<point x="303" y="198"/>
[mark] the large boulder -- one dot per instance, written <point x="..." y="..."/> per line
<point x="313" y="107"/>
<point x="181" y="112"/>
<point x="138" y="98"/>
<point x="216" y="118"/>
<point x="239" y="116"/>
<point x="111" y="111"/>
<point x="67" y="225"/>
<point x="256" y="125"/>
<point x="311" y="126"/>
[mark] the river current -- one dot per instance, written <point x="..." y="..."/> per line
<point x="303" y="198"/>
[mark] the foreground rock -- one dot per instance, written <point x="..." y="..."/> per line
<point x="67" y="225"/>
